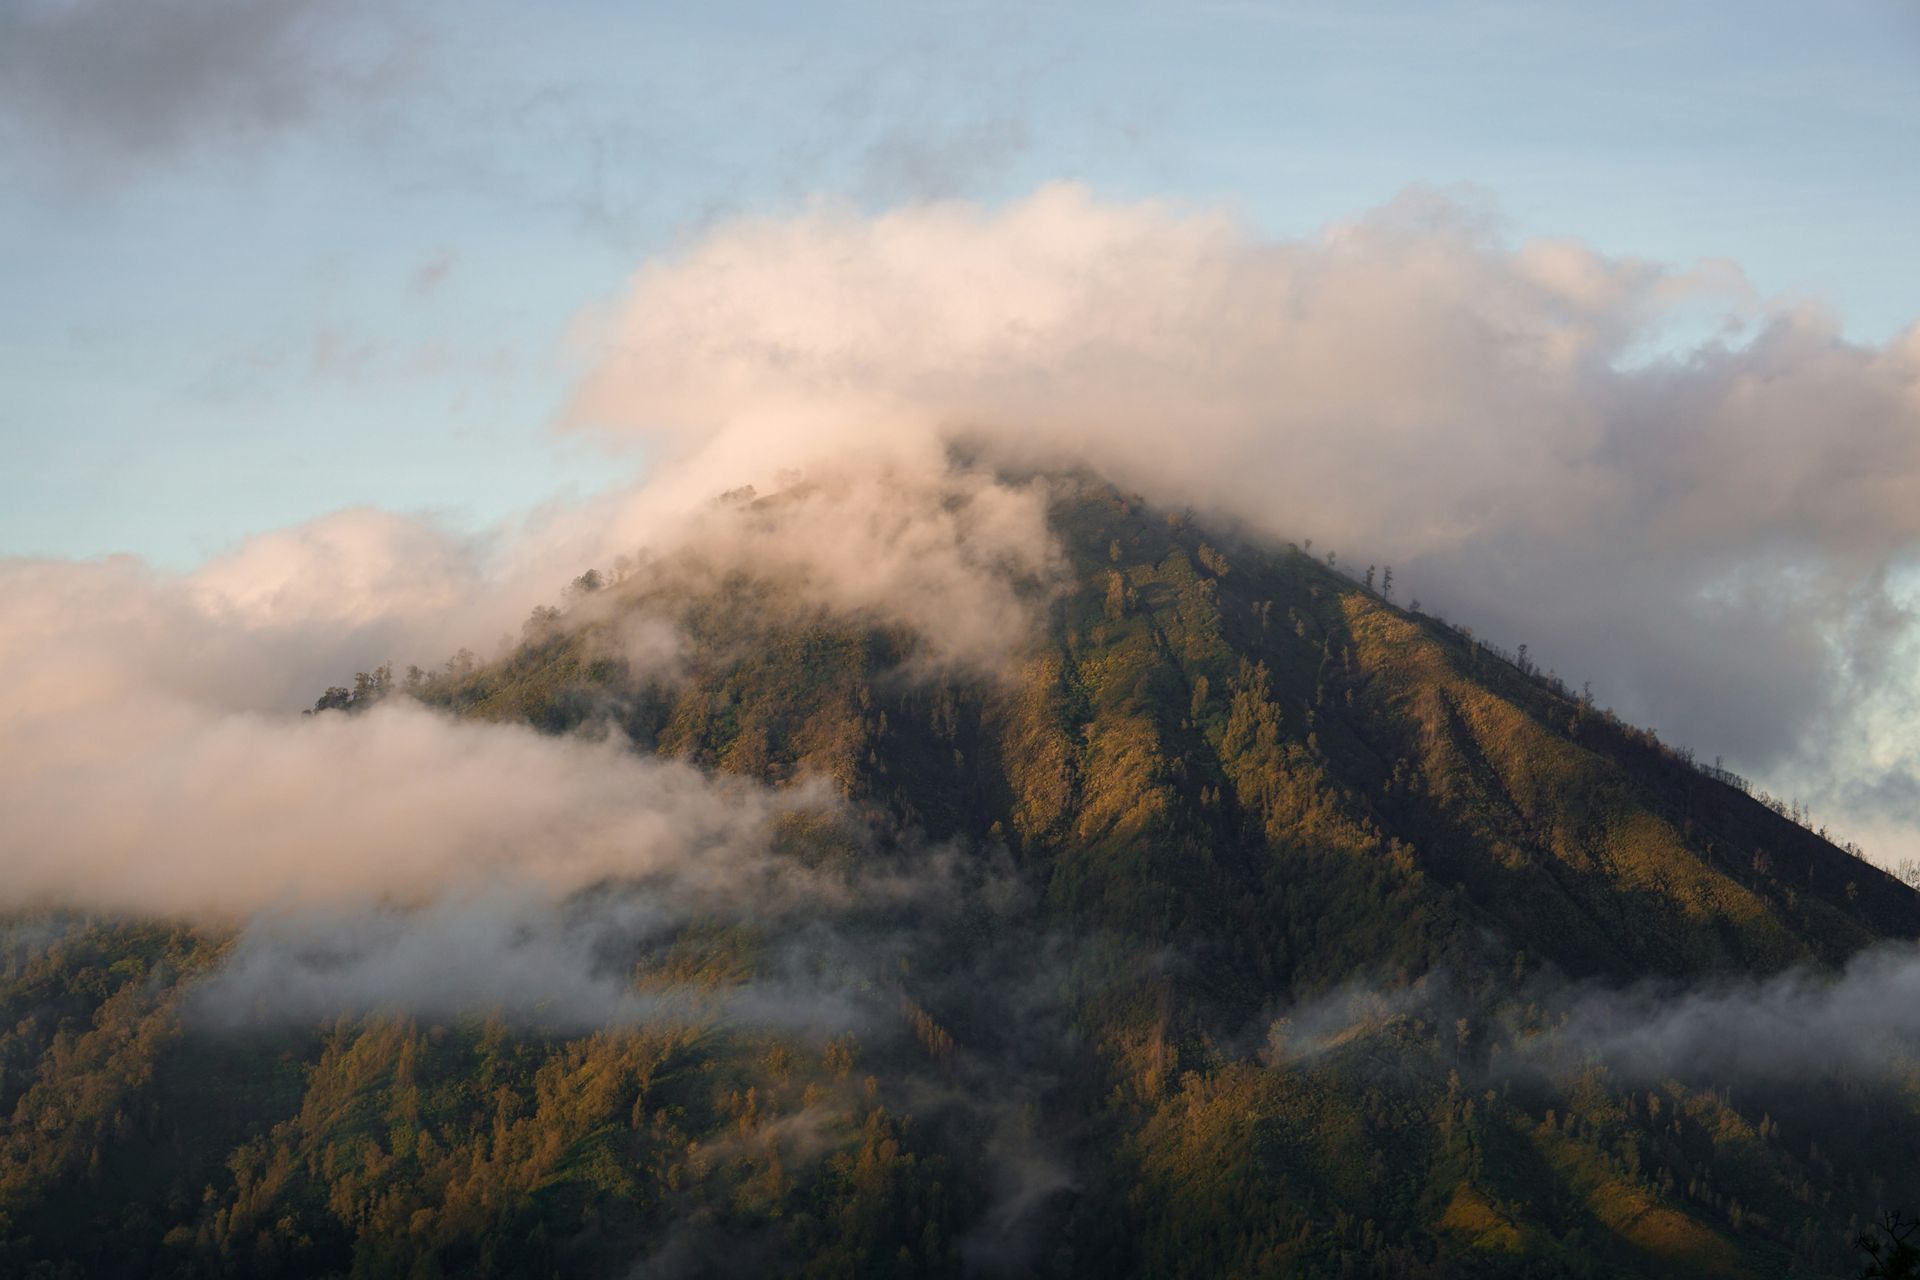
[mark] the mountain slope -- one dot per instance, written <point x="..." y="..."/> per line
<point x="1196" y="719"/>
<point x="1265" y="919"/>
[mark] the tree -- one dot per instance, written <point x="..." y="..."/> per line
<point x="1891" y="1249"/>
<point x="334" y="699"/>
<point x="540" y="623"/>
<point x="371" y="686"/>
<point x="1369" y="577"/>
<point x="1386" y="582"/>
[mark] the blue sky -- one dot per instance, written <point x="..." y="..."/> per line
<point x="264" y="261"/>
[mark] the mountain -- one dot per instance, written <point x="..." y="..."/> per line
<point x="1249" y="923"/>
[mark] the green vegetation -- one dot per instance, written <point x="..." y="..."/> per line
<point x="1230" y="783"/>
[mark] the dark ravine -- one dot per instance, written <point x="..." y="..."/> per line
<point x="1255" y="925"/>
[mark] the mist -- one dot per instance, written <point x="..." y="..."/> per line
<point x="563" y="967"/>
<point x="1863" y="1022"/>
<point x="1860" y="1023"/>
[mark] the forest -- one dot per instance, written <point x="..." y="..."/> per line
<point x="1255" y="924"/>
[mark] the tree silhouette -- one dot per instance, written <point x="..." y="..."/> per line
<point x="1891" y="1251"/>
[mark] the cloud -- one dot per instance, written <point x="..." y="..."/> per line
<point x="955" y="556"/>
<point x="259" y="629"/>
<point x="152" y="758"/>
<point x="234" y="813"/>
<point x="558" y="965"/>
<point x="1863" y="1022"/>
<point x="153" y="764"/>
<point x="153" y="761"/>
<point x="1714" y="534"/>
<point x="359" y="566"/>
<point x="97" y="82"/>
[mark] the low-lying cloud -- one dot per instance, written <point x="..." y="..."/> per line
<point x="153" y="759"/>
<point x="557" y="965"/>
<point x="1862" y="1022"/>
<point x="241" y="812"/>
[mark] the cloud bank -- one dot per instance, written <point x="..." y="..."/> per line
<point x="1719" y="534"/>
<point x="153" y="761"/>
<point x="236" y="813"/>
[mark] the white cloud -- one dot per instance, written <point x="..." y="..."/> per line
<point x="151" y="757"/>
<point x="1708" y="536"/>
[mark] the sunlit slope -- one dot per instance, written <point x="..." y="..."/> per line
<point x="1237" y="747"/>
<point x="1219" y="787"/>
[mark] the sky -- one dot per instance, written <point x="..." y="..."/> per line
<point x="267" y="260"/>
<point x="281" y="277"/>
